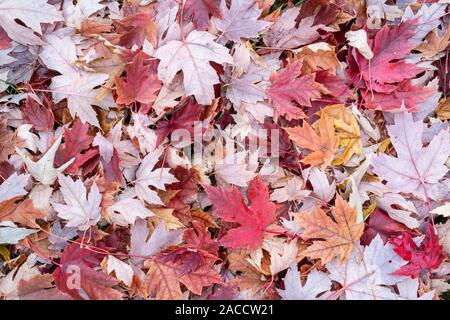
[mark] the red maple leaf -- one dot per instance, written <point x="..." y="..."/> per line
<point x="76" y="140"/>
<point x="186" y="192"/>
<point x="230" y="206"/>
<point x="199" y="250"/>
<point x="334" y="84"/>
<point x="183" y="118"/>
<point x="408" y="94"/>
<point x="199" y="11"/>
<point x="287" y="87"/>
<point x="134" y="29"/>
<point x="76" y="275"/>
<point x="40" y="116"/>
<point x="385" y="69"/>
<point x="140" y="85"/>
<point x="426" y="257"/>
<point x="380" y="223"/>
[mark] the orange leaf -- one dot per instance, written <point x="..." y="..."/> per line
<point x="339" y="235"/>
<point x="322" y="144"/>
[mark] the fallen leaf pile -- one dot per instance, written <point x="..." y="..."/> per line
<point x="224" y="149"/>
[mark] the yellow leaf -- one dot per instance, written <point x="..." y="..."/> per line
<point x="347" y="130"/>
<point x="368" y="211"/>
<point x="384" y="144"/>
<point x="170" y="221"/>
<point x="4" y="252"/>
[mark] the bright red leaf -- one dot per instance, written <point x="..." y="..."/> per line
<point x="380" y="223"/>
<point x="229" y="205"/>
<point x="426" y="257"/>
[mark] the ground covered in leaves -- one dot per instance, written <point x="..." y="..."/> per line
<point x="224" y="149"/>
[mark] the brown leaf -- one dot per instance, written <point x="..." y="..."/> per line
<point x="24" y="213"/>
<point x="434" y="44"/>
<point x="318" y="60"/>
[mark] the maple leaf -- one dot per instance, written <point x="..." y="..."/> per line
<point x="79" y="210"/>
<point x="124" y="83"/>
<point x="339" y="235"/>
<point x="286" y="32"/>
<point x="322" y="145"/>
<point x="11" y="234"/>
<point x="76" y="140"/>
<point x="318" y="60"/>
<point x="126" y="210"/>
<point x="379" y="223"/>
<point x="43" y="170"/>
<point x="74" y="84"/>
<point x="165" y="279"/>
<point x="199" y="251"/>
<point x="112" y="169"/>
<point x="406" y="94"/>
<point x="75" y="14"/>
<point x="200" y="10"/>
<point x="427" y="20"/>
<point x="322" y="188"/>
<point x="32" y="13"/>
<point x="185" y="192"/>
<point x="234" y="169"/>
<point x="192" y="56"/>
<point x="79" y="90"/>
<point x="426" y="257"/>
<point x="367" y="276"/>
<point x="316" y="283"/>
<point x="434" y="44"/>
<point x="386" y="67"/>
<point x="122" y="270"/>
<point x="24" y="213"/>
<point x="281" y="256"/>
<point x="182" y="118"/>
<point x="229" y="205"/>
<point x="91" y="284"/>
<point x="416" y="169"/>
<point x="135" y="28"/>
<point x="143" y="246"/>
<point x="40" y="116"/>
<point x="287" y="87"/>
<point x="240" y="21"/>
<point x="146" y="175"/>
<point x="358" y="39"/>
<point x="346" y="130"/>
<point x="14" y="186"/>
<point x="140" y="85"/>
<point x="250" y="87"/>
